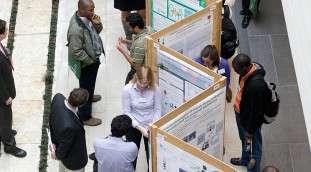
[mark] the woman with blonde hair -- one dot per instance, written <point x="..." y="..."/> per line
<point x="141" y="100"/>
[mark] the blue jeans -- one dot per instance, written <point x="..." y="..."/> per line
<point x="256" y="152"/>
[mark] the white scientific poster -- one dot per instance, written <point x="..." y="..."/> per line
<point x="179" y="81"/>
<point x="171" y="158"/>
<point x="192" y="37"/>
<point x="202" y="125"/>
<point x="166" y="12"/>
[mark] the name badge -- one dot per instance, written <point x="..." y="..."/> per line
<point x="142" y="100"/>
<point x="221" y="71"/>
<point x="239" y="88"/>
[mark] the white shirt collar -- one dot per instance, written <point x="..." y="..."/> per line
<point x="75" y="111"/>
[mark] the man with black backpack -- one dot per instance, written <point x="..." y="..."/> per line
<point x="249" y="109"/>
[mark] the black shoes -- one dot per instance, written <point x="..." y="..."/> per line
<point x="245" y="21"/>
<point x="17" y="152"/>
<point x="236" y="161"/>
<point x="242" y="12"/>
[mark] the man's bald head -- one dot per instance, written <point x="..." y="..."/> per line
<point x="242" y="64"/>
<point x="82" y="4"/>
<point x="242" y="60"/>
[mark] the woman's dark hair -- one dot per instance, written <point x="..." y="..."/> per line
<point x="120" y="125"/>
<point x="2" y="26"/>
<point x="78" y="97"/>
<point x="211" y="52"/>
<point x="134" y="20"/>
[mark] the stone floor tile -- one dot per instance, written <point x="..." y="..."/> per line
<point x="279" y="156"/>
<point x="261" y="52"/>
<point x="301" y="156"/>
<point x="27" y="121"/>
<point x="29" y="163"/>
<point x="33" y="24"/>
<point x="283" y="60"/>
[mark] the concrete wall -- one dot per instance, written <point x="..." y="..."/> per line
<point x="297" y="16"/>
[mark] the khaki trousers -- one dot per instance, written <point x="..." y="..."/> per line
<point x="62" y="168"/>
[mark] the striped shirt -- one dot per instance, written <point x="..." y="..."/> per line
<point x="137" y="51"/>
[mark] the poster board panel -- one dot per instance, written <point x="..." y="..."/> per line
<point x="203" y="27"/>
<point x="186" y="157"/>
<point x="173" y="114"/>
<point x="179" y="81"/>
<point x="202" y="125"/>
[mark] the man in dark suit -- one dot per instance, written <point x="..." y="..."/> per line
<point x="7" y="94"/>
<point x="67" y="132"/>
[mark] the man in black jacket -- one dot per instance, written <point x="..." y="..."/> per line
<point x="248" y="108"/>
<point x="67" y="132"/>
<point x="7" y="94"/>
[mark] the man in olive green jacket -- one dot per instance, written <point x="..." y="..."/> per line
<point x="86" y="46"/>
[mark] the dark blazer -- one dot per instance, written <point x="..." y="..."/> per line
<point x="7" y="86"/>
<point x="68" y="134"/>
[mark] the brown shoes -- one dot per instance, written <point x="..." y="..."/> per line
<point x="93" y="122"/>
<point x="96" y="98"/>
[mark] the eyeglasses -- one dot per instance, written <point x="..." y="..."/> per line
<point x="142" y="83"/>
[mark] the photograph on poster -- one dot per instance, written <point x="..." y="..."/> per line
<point x="172" y="158"/>
<point x="190" y="38"/>
<point x="166" y="12"/>
<point x="179" y="81"/>
<point x="201" y="119"/>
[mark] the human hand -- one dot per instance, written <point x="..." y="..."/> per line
<point x="143" y="131"/>
<point x="53" y="156"/>
<point x="228" y="95"/>
<point x="9" y="101"/>
<point x="249" y="135"/>
<point x="120" y="47"/>
<point x="123" y="40"/>
<point x="96" y="19"/>
<point x="94" y="61"/>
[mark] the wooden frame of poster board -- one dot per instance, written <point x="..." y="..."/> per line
<point x="154" y="128"/>
<point x="151" y="40"/>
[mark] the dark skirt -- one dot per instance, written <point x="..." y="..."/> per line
<point x="129" y="5"/>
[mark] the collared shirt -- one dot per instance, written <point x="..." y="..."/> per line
<point x="144" y="108"/>
<point x="2" y="50"/>
<point x="75" y="111"/>
<point x="137" y="51"/>
<point x="97" y="44"/>
<point x="114" y="154"/>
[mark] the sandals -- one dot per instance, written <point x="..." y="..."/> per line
<point x="237" y="161"/>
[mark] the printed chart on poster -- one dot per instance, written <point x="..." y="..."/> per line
<point x="172" y="158"/>
<point x="166" y="12"/>
<point x="192" y="37"/>
<point x="179" y="81"/>
<point x="202" y="125"/>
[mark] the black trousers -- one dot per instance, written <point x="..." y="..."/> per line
<point x="135" y="135"/>
<point x="87" y="81"/>
<point x="6" y="135"/>
<point x="245" y="6"/>
<point x="130" y="75"/>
